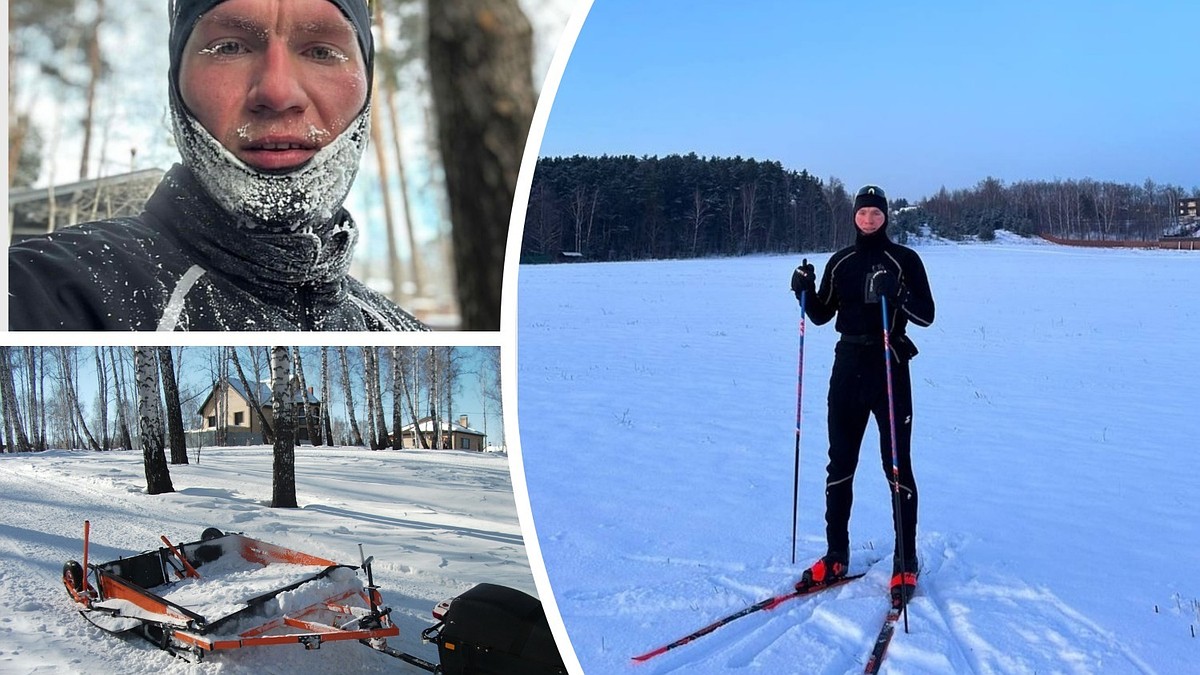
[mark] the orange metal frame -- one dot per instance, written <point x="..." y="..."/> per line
<point x="180" y="623"/>
<point x="311" y="632"/>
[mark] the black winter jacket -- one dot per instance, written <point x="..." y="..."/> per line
<point x="183" y="264"/>
<point x="843" y="289"/>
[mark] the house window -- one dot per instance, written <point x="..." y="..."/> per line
<point x="212" y="421"/>
<point x="464" y="443"/>
<point x="238" y="418"/>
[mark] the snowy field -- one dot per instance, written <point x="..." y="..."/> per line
<point x="437" y="522"/>
<point x="1054" y="447"/>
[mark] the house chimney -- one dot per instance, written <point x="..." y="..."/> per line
<point x="462" y="421"/>
<point x="310" y="391"/>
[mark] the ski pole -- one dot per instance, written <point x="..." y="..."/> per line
<point x="799" y="398"/>
<point x="87" y="535"/>
<point x="887" y="360"/>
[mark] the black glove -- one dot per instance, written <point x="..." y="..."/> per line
<point x="885" y="284"/>
<point x="804" y="279"/>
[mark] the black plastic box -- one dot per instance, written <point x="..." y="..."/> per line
<point x="495" y="630"/>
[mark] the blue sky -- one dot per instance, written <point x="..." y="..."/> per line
<point x="911" y="96"/>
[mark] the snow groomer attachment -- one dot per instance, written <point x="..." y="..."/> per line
<point x="229" y="591"/>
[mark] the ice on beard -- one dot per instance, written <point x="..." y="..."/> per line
<point x="304" y="197"/>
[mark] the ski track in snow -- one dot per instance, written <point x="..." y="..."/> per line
<point x="437" y="523"/>
<point x="1050" y="438"/>
<point x="994" y="627"/>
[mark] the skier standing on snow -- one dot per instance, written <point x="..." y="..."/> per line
<point x="853" y="281"/>
<point x="270" y="105"/>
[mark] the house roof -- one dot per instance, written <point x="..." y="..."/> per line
<point x="426" y="425"/>
<point x="263" y="393"/>
<point x="109" y="196"/>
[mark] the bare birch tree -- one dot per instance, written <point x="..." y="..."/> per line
<point x="355" y="434"/>
<point x="490" y="385"/>
<point x="451" y="372"/>
<point x="124" y="436"/>
<point x="31" y="397"/>
<point x="434" y="399"/>
<point x="325" y="400"/>
<point x="66" y="356"/>
<point x="14" y="429"/>
<point x="409" y="384"/>
<point x="749" y="194"/>
<point x="386" y="192"/>
<point x="384" y="384"/>
<point x="699" y="213"/>
<point x="375" y="396"/>
<point x="222" y="402"/>
<point x="154" y="459"/>
<point x="43" y="429"/>
<point x="102" y="398"/>
<point x="372" y="439"/>
<point x="283" y="484"/>
<point x="397" y="400"/>
<point x="175" y="437"/>
<point x="386" y="86"/>
<point x="96" y="68"/>
<point x="368" y="369"/>
<point x="314" y="428"/>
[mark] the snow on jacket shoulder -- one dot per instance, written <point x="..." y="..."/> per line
<point x="183" y="264"/>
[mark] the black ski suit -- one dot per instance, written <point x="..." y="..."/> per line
<point x="858" y="383"/>
<point x="184" y="264"/>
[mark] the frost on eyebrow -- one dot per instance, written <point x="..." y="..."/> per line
<point x="340" y="35"/>
<point x="226" y="20"/>
<point x="338" y="31"/>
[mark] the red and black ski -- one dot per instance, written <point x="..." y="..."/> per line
<point x="769" y="603"/>
<point x="882" y="642"/>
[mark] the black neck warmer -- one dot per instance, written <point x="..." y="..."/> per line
<point x="871" y="242"/>
<point x="271" y="264"/>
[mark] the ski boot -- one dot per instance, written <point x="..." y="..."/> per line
<point x="824" y="572"/>
<point x="904" y="581"/>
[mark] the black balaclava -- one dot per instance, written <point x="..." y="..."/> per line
<point x="871" y="195"/>
<point x="297" y="201"/>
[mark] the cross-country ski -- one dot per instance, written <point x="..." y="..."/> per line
<point x="879" y="649"/>
<point x="768" y="604"/>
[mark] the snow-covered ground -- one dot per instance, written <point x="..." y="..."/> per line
<point x="437" y="523"/>
<point x="1054" y="446"/>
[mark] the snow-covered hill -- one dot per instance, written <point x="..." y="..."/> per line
<point x="1054" y="446"/>
<point x="437" y="523"/>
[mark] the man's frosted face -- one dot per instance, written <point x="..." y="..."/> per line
<point x="273" y="80"/>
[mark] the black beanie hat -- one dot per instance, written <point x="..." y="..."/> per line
<point x="185" y="13"/>
<point x="871" y="195"/>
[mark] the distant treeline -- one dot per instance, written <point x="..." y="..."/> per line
<point x="626" y="208"/>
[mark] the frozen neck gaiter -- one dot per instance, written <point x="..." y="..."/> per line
<point x="304" y="198"/>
